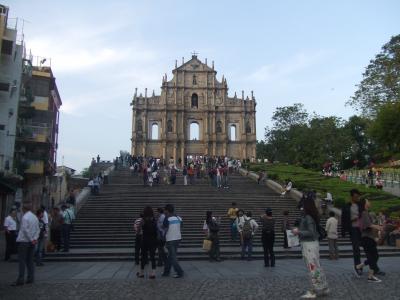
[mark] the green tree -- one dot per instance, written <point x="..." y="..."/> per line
<point x="287" y="116"/>
<point x="385" y="129"/>
<point x="381" y="80"/>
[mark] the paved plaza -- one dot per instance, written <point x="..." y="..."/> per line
<point x="203" y="280"/>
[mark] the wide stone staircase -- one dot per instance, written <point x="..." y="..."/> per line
<point x="104" y="225"/>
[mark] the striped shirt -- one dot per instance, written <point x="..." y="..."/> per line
<point x="173" y="224"/>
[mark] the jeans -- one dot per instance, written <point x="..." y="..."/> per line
<point x="172" y="261"/>
<point x="233" y="229"/>
<point x="25" y="257"/>
<point x="333" y="248"/>
<point x="268" y="239"/>
<point x="66" y="232"/>
<point x="371" y="252"/>
<point x="218" y="181"/>
<point x="162" y="256"/>
<point x="355" y="237"/>
<point x="38" y="251"/>
<point x="247" y="245"/>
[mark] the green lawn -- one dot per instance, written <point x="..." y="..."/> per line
<point x="304" y="179"/>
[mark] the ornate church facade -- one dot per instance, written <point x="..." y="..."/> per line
<point x="193" y="116"/>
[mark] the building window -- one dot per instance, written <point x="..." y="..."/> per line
<point x="7" y="47"/>
<point x="194" y="79"/>
<point x="232" y="131"/>
<point x="195" y="101"/>
<point x="218" y="128"/>
<point x="248" y="127"/>
<point x="4" y="86"/>
<point x="154" y="131"/>
<point x="169" y="126"/>
<point x="2" y="126"/>
<point x="194" y="131"/>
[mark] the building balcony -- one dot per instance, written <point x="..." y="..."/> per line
<point x="34" y="133"/>
<point x="35" y="167"/>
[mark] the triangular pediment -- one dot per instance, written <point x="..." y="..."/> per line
<point x="194" y="64"/>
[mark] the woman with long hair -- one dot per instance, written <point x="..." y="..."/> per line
<point x="149" y="242"/>
<point x="309" y="239"/>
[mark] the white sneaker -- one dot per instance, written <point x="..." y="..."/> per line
<point x="374" y="279"/>
<point x="309" y="295"/>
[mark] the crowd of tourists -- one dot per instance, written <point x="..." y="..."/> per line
<point x="30" y="234"/>
<point x="156" y="171"/>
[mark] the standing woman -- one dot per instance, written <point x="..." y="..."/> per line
<point x="149" y="242"/>
<point x="308" y="235"/>
<point x="10" y="228"/>
<point x="211" y="229"/>
<point x="368" y="233"/>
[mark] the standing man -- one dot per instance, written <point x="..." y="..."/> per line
<point x="268" y="237"/>
<point x="68" y="217"/>
<point x="331" y="230"/>
<point x="350" y="224"/>
<point x="172" y="224"/>
<point x="247" y="232"/>
<point x="10" y="229"/>
<point x="27" y="239"/>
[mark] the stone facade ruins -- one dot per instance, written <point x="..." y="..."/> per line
<point x="193" y="116"/>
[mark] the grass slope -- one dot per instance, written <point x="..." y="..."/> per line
<point x="304" y="179"/>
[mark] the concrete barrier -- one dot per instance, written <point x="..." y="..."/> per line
<point x="294" y="193"/>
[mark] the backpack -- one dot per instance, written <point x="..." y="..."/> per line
<point x="247" y="231"/>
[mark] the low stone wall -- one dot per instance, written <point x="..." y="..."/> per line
<point x="294" y="193"/>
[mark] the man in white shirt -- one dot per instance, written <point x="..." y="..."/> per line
<point x="172" y="224"/>
<point x="332" y="234"/>
<point x="10" y="229"/>
<point x="27" y="239"/>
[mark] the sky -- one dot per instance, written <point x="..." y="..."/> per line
<point x="310" y="52"/>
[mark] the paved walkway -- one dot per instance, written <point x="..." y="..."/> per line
<point x="203" y="280"/>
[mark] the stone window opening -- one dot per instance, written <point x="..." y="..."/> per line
<point x="194" y="134"/>
<point x="169" y="126"/>
<point x="194" y="79"/>
<point x="218" y="128"/>
<point x="154" y="131"/>
<point x="195" y="101"/>
<point x="232" y="131"/>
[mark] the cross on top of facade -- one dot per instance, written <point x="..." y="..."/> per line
<point x="194" y="53"/>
